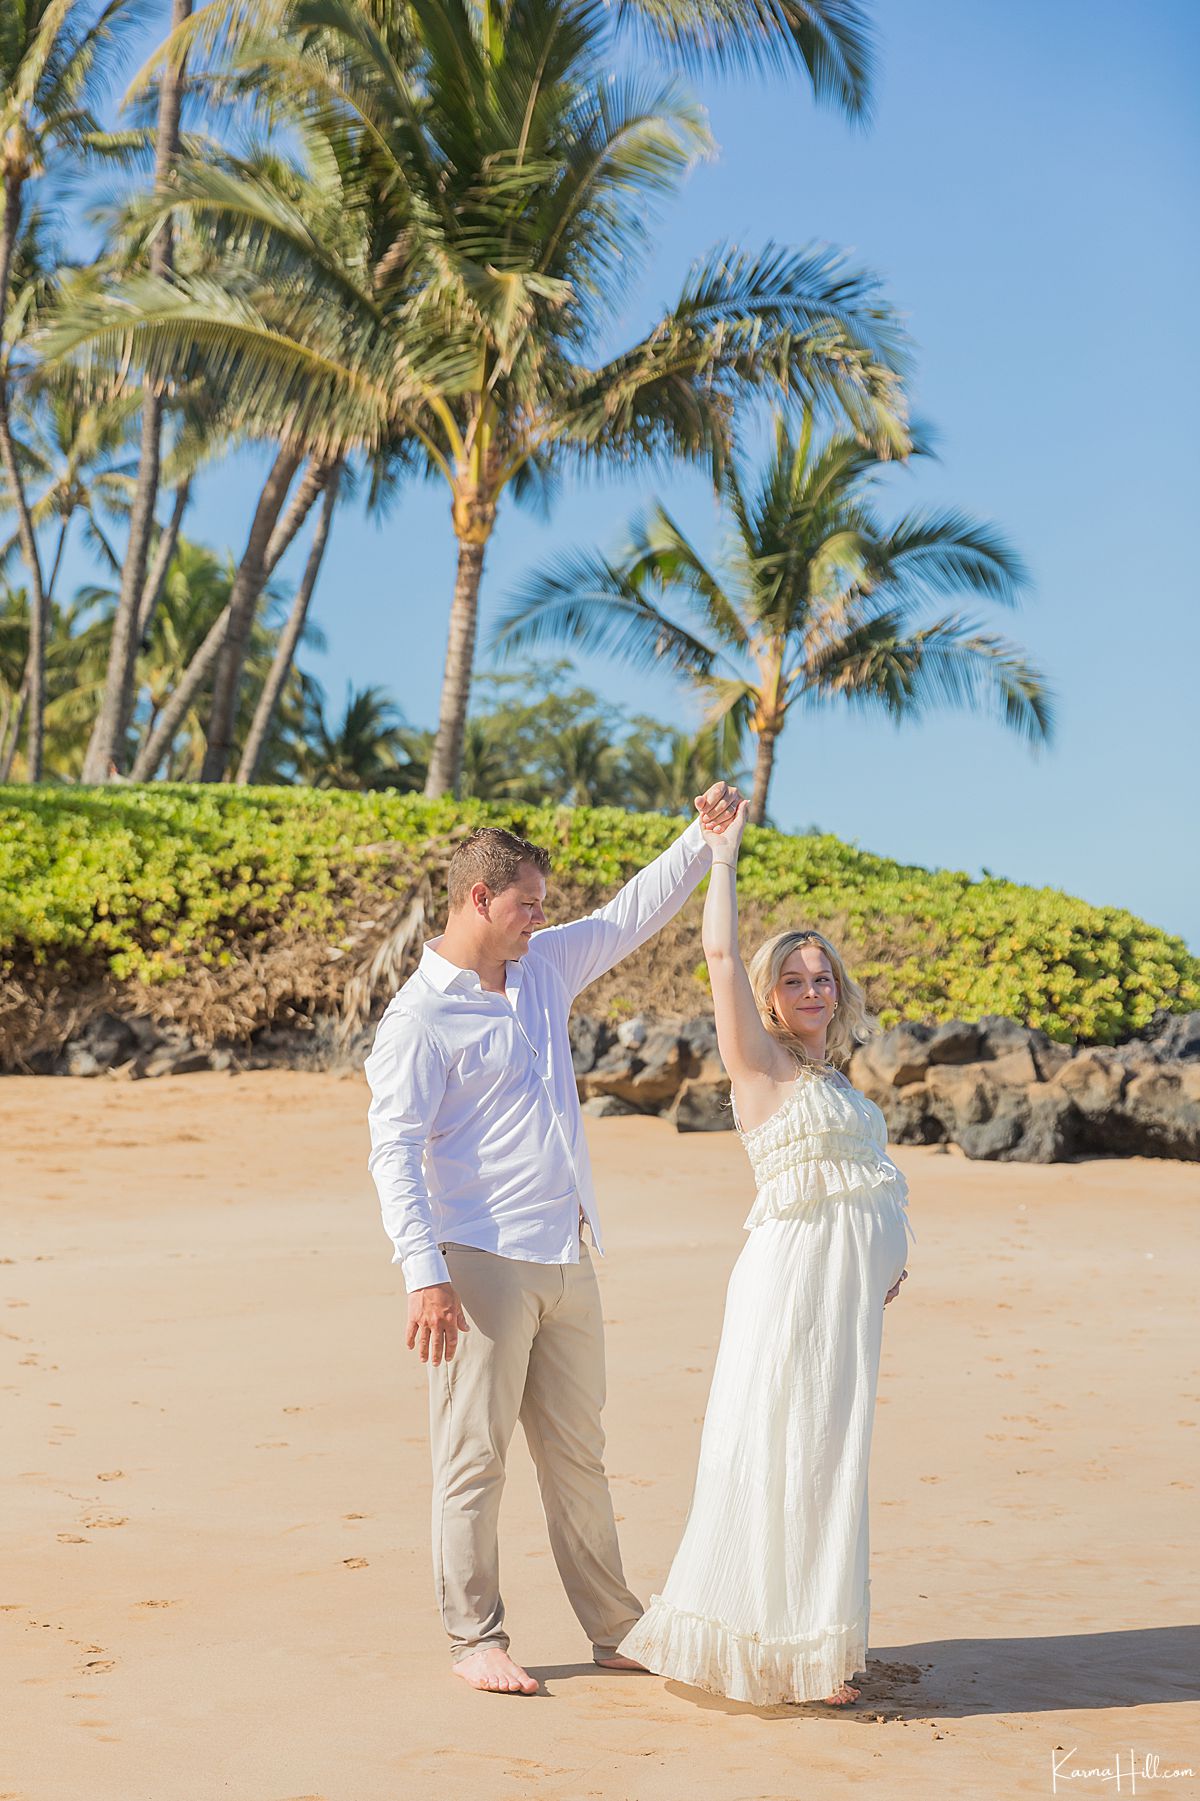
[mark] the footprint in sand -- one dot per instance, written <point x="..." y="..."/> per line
<point x="355" y="1563"/>
<point x="72" y="1538"/>
<point x="93" y="1521"/>
<point x="97" y="1665"/>
<point x="156" y="1603"/>
<point x="109" y="1475"/>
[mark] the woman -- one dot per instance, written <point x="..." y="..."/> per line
<point x="768" y="1597"/>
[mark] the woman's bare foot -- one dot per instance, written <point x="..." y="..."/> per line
<point x="493" y="1669"/>
<point x="845" y="1695"/>
<point x="617" y="1662"/>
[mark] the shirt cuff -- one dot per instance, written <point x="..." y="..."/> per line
<point x="425" y="1269"/>
<point x="693" y="839"/>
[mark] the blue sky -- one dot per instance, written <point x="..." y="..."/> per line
<point x="1028" y="195"/>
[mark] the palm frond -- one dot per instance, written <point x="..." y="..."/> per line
<point x="832" y="41"/>
<point x="589" y="602"/>
<point x="954" y="661"/>
<point x="946" y="552"/>
<point x="659" y="551"/>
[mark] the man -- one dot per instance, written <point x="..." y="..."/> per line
<point x="479" y="1156"/>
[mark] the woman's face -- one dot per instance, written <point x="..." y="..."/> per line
<point x="806" y="994"/>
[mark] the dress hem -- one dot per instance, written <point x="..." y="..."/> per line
<point x="707" y="1654"/>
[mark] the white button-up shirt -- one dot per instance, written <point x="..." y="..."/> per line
<point x="476" y="1129"/>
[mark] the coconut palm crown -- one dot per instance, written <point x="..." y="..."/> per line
<point x="440" y="268"/>
<point x="815" y="599"/>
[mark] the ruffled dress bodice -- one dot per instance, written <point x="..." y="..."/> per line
<point x="826" y="1141"/>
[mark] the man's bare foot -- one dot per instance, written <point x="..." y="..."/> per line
<point x="493" y="1669"/>
<point x="845" y="1695"/>
<point x="617" y="1662"/>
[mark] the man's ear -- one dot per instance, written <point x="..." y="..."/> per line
<point x="481" y="894"/>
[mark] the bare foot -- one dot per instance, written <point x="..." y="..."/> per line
<point x="845" y="1695"/>
<point x="617" y="1662"/>
<point x="493" y="1669"/>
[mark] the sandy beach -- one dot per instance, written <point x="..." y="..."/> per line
<point x="216" y="1548"/>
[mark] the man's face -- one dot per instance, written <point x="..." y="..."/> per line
<point x="515" y="914"/>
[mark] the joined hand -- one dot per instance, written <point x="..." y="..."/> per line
<point x="725" y="839"/>
<point x="718" y="807"/>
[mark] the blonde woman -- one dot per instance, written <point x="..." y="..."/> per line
<point x="768" y="1598"/>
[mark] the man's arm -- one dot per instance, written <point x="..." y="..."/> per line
<point x="407" y="1071"/>
<point x="586" y="948"/>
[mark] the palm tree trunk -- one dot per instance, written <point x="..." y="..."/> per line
<point x="11" y="737"/>
<point x="251" y="579"/>
<point x="300" y="506"/>
<point x="445" y="764"/>
<point x="58" y="554"/>
<point x="254" y="568"/>
<point x="164" y="550"/>
<point x="268" y="700"/>
<point x="38" y="622"/>
<point x="161" y="736"/>
<point x="106" y="746"/>
<point x="764" y="763"/>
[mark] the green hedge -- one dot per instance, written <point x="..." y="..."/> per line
<point x="154" y="881"/>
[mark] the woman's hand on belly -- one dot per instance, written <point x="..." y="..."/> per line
<point x="894" y="1290"/>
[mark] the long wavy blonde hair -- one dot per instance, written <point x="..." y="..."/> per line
<point x="852" y="1024"/>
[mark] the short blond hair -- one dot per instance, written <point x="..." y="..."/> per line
<point x="493" y="856"/>
<point x="852" y="1024"/>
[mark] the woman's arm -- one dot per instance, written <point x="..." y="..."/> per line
<point x="757" y="1065"/>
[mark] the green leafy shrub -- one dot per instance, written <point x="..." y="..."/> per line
<point x="151" y="885"/>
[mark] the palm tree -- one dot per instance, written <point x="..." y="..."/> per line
<point x="74" y="450"/>
<point x="75" y="648"/>
<point x="272" y="529"/>
<point x="211" y="406"/>
<point x="477" y="197"/>
<point x="364" y="750"/>
<point x="818" y="599"/>
<point x="583" y="766"/>
<point x="489" y="769"/>
<point x="289" y="638"/>
<point x="108" y="733"/>
<point x="665" y="770"/>
<point x="14" y="653"/>
<point x="53" y="57"/>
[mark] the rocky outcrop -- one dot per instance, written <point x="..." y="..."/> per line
<point x="1017" y="1096"/>
<point x="1001" y="1090"/>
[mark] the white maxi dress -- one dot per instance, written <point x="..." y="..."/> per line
<point x="768" y="1599"/>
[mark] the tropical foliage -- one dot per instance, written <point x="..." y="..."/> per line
<point x="395" y="238"/>
<point x="816" y="600"/>
<point x="156" y="884"/>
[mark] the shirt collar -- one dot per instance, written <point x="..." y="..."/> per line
<point x="443" y="974"/>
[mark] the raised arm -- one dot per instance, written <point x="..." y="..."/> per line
<point x="756" y="1064"/>
<point x="585" y="949"/>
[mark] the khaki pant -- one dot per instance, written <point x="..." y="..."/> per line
<point x="535" y="1352"/>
